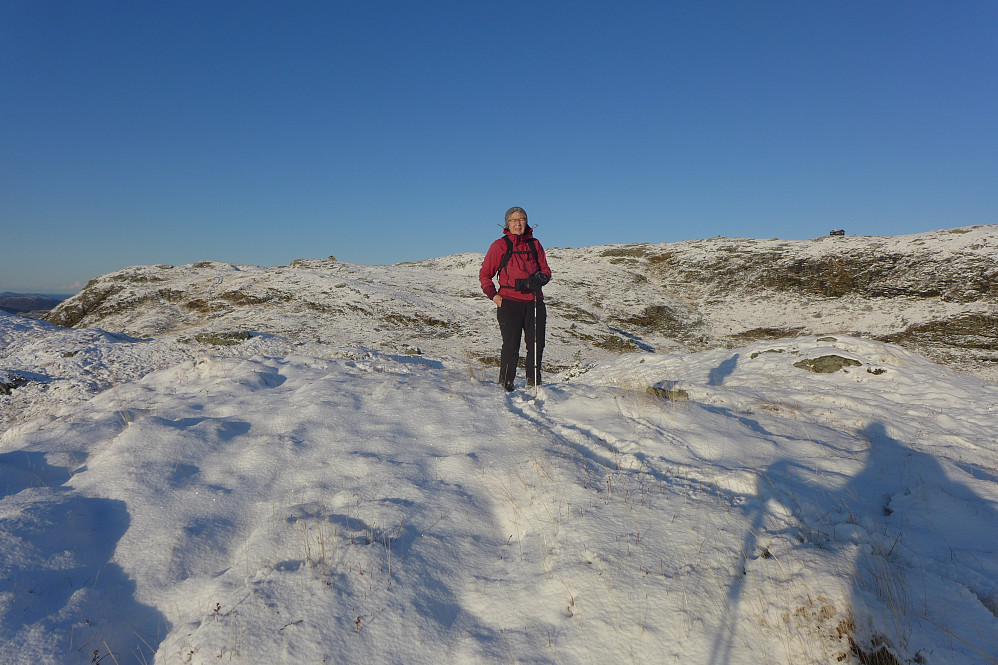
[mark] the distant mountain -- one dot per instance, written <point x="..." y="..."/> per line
<point x="27" y="303"/>
<point x="935" y="293"/>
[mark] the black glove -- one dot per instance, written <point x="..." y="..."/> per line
<point x="537" y="280"/>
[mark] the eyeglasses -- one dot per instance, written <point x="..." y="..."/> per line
<point x="516" y="219"/>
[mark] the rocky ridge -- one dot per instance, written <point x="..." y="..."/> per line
<point x="935" y="293"/>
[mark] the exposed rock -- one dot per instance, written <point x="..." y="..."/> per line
<point x="827" y="364"/>
<point x="86" y="302"/>
<point x="225" y="338"/>
<point x="969" y="331"/>
<point x="672" y="394"/>
<point x="9" y="381"/>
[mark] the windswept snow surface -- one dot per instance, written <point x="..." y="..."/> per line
<point x="280" y="502"/>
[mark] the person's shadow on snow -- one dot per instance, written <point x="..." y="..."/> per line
<point x="901" y="509"/>
<point x="724" y="370"/>
<point x="60" y="594"/>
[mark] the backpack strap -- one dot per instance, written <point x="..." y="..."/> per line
<point x="509" y="253"/>
<point x="533" y="250"/>
<point x="505" y="257"/>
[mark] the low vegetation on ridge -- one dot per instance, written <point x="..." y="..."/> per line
<point x="931" y="292"/>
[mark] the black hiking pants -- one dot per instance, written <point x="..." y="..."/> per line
<point x="516" y="319"/>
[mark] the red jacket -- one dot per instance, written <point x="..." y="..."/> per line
<point x="521" y="265"/>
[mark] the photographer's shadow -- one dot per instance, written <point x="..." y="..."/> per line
<point x="913" y="534"/>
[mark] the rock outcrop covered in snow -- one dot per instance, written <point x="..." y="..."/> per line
<point x="935" y="293"/>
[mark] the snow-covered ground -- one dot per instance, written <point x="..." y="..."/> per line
<point x="930" y="292"/>
<point x="289" y="501"/>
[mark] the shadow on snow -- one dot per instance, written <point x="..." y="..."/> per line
<point x="900" y="510"/>
<point x="62" y="598"/>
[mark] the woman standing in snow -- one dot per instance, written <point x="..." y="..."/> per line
<point x="519" y="261"/>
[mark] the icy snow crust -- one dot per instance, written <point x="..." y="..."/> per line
<point x="289" y="501"/>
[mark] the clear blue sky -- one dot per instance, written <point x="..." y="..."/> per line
<point x="378" y="132"/>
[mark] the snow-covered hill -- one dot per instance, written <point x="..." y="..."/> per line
<point x="932" y="292"/>
<point x="313" y="464"/>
